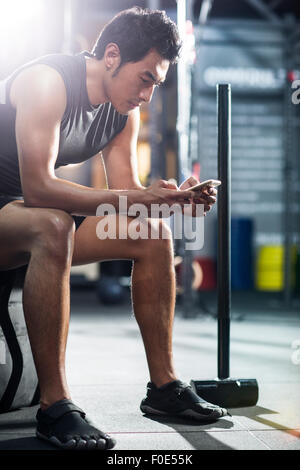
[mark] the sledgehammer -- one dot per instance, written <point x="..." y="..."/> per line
<point x="225" y="391"/>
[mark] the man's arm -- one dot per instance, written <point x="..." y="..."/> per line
<point x="120" y="156"/>
<point x="39" y="97"/>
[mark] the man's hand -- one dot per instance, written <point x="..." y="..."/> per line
<point x="163" y="192"/>
<point x="206" y="196"/>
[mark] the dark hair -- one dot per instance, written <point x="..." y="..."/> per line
<point x="138" y="30"/>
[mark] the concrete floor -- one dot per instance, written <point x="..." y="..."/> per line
<point x="107" y="373"/>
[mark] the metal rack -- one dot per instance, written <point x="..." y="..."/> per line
<point x="271" y="34"/>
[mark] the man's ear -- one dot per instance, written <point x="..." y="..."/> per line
<point x="112" y="56"/>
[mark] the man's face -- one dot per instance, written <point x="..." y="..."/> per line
<point x="134" y="83"/>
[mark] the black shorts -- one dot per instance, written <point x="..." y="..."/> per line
<point x="78" y="219"/>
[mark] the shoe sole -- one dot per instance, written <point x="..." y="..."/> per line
<point x="70" y="445"/>
<point x="186" y="414"/>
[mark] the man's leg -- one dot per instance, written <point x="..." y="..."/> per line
<point x="153" y="286"/>
<point x="43" y="239"/>
<point x="153" y="295"/>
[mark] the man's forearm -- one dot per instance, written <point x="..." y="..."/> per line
<point x="77" y="199"/>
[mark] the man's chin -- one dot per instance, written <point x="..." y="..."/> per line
<point x="122" y="109"/>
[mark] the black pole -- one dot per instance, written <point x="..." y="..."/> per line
<point x="224" y="228"/>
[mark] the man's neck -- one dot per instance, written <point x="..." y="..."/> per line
<point x="94" y="81"/>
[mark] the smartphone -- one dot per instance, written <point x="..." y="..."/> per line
<point x="201" y="185"/>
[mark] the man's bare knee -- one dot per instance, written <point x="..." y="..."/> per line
<point x="159" y="239"/>
<point x="54" y="233"/>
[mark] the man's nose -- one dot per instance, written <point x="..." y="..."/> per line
<point x="146" y="94"/>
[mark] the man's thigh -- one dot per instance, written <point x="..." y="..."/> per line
<point x="15" y="230"/>
<point x="121" y="241"/>
<point x="19" y="228"/>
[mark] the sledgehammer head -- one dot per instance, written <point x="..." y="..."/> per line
<point x="228" y="393"/>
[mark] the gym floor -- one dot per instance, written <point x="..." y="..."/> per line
<point x="107" y="373"/>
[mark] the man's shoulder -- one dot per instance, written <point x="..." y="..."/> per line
<point x="58" y="60"/>
<point x="49" y="58"/>
<point x="48" y="68"/>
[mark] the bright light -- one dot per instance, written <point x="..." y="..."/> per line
<point x="17" y="13"/>
<point x="21" y="28"/>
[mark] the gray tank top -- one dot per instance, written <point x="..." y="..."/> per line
<point x="84" y="130"/>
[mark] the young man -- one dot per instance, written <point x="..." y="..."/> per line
<point x="63" y="109"/>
